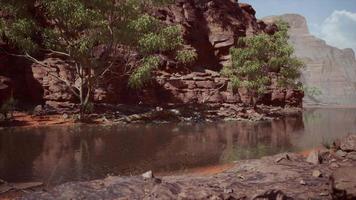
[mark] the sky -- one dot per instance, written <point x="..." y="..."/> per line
<point x="331" y="20"/>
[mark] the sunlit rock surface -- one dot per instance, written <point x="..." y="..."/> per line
<point x="331" y="70"/>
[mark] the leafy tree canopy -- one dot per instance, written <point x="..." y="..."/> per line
<point x="254" y="57"/>
<point x="74" y="28"/>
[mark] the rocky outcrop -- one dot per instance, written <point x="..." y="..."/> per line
<point x="209" y="87"/>
<point x="19" y="81"/>
<point x="329" y="69"/>
<point x="212" y="27"/>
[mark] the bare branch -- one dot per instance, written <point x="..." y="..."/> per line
<point x="57" y="52"/>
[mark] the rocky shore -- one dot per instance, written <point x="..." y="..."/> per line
<point x="124" y="114"/>
<point x="322" y="174"/>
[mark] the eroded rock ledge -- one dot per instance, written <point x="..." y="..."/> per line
<point x="325" y="174"/>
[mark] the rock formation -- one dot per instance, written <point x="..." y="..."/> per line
<point x="210" y="27"/>
<point x="329" y="69"/>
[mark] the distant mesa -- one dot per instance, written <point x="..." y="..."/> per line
<point x="331" y="70"/>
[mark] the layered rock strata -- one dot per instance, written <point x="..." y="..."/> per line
<point x="328" y="69"/>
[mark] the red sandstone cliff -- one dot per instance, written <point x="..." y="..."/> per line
<point x="210" y="27"/>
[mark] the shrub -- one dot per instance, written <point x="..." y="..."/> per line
<point x="186" y="56"/>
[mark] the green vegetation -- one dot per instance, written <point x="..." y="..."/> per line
<point x="142" y="74"/>
<point x="255" y="57"/>
<point x="186" y="56"/>
<point x="72" y="29"/>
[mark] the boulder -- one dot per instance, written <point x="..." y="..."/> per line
<point x="351" y="155"/>
<point x="340" y="153"/>
<point x="349" y="143"/>
<point x="344" y="181"/>
<point x="314" y="157"/>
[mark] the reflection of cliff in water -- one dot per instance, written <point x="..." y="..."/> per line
<point x="59" y="154"/>
<point x="322" y="126"/>
<point x="17" y="151"/>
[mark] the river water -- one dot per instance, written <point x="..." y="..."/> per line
<point x="55" y="155"/>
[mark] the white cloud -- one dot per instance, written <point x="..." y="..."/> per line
<point x="339" y="29"/>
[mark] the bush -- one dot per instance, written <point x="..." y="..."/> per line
<point x="186" y="56"/>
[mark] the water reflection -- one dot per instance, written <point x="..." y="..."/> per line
<point x="58" y="154"/>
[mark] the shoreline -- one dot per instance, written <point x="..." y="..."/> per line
<point x="320" y="175"/>
<point x="157" y="115"/>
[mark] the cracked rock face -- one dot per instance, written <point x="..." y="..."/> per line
<point x="212" y="27"/>
<point x="331" y="70"/>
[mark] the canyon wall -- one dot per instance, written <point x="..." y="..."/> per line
<point x="329" y="69"/>
<point x="210" y="27"/>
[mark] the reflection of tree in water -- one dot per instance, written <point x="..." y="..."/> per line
<point x="89" y="152"/>
<point x="312" y="116"/>
<point x="255" y="140"/>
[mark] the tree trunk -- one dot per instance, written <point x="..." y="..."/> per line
<point x="85" y="91"/>
<point x="82" y="93"/>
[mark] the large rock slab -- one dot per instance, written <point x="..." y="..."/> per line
<point x="344" y="181"/>
<point x="253" y="179"/>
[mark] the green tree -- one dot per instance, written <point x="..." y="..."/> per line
<point x="74" y="28"/>
<point x="255" y="57"/>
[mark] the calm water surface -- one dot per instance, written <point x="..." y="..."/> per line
<point x="58" y="154"/>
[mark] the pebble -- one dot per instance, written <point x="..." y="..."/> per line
<point x="228" y="190"/>
<point x="316" y="173"/>
<point x="65" y="116"/>
<point x="302" y="182"/>
<point x="148" y="175"/>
